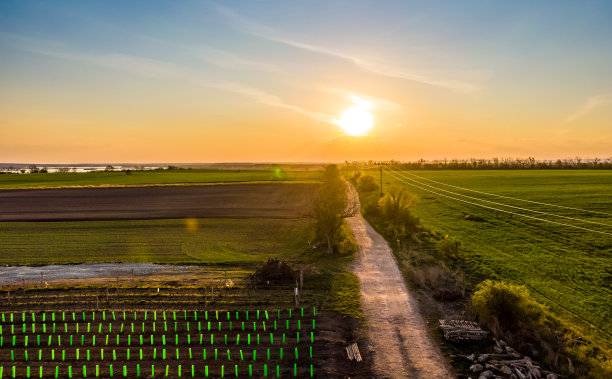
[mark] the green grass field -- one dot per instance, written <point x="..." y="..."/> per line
<point x="569" y="270"/>
<point x="202" y="241"/>
<point x="10" y="181"/>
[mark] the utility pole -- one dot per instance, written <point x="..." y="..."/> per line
<point x="381" y="188"/>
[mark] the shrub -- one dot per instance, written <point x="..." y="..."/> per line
<point x="445" y="284"/>
<point x="448" y="248"/>
<point x="506" y="306"/>
<point x="345" y="243"/>
<point x="366" y="184"/>
<point x="369" y="203"/>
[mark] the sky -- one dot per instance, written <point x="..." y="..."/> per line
<point x="269" y="81"/>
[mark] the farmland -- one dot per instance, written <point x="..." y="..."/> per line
<point x="566" y="268"/>
<point x="174" y="241"/>
<point x="277" y="200"/>
<point x="226" y="325"/>
<point x="162" y="343"/>
<point x="164" y="177"/>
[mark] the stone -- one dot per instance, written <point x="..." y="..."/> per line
<point x="506" y="370"/>
<point x="476" y="368"/>
<point x="483" y="357"/>
<point x="471" y="357"/>
<point x="486" y="374"/>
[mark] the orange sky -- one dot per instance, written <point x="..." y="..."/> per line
<point x="201" y="82"/>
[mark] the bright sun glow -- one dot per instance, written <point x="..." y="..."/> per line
<point x="356" y="120"/>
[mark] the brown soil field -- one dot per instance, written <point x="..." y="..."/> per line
<point x="271" y="200"/>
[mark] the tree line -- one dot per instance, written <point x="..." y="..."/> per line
<point x="529" y="163"/>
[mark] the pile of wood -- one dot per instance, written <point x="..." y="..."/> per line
<point x="507" y="363"/>
<point x="353" y="352"/>
<point x="462" y="330"/>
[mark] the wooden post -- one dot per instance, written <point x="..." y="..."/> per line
<point x="301" y="277"/>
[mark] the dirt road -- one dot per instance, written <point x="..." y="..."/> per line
<point x="397" y="332"/>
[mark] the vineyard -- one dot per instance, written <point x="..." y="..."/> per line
<point x="187" y="343"/>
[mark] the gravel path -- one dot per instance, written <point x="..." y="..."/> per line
<point x="29" y="274"/>
<point x="397" y="331"/>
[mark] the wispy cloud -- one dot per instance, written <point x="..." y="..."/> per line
<point x="169" y="70"/>
<point x="228" y="60"/>
<point x="266" y="98"/>
<point x="591" y="103"/>
<point x="378" y="103"/>
<point x="373" y="65"/>
<point x="122" y="62"/>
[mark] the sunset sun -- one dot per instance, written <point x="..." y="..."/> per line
<point x="356" y="120"/>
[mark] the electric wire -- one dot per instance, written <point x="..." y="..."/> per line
<point x="512" y="198"/>
<point x="501" y="204"/>
<point x="497" y="209"/>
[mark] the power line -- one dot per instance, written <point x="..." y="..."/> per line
<point x="512" y="198"/>
<point x="501" y="204"/>
<point x="499" y="210"/>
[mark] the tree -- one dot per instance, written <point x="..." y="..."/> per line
<point x="332" y="206"/>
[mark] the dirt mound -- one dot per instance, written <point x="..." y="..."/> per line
<point x="274" y="271"/>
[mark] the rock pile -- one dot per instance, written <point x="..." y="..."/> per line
<point x="506" y="363"/>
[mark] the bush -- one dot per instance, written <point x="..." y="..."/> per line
<point x="445" y="284"/>
<point x="366" y="184"/>
<point x="345" y="243"/>
<point x="448" y="248"/>
<point x="369" y="203"/>
<point x="506" y="307"/>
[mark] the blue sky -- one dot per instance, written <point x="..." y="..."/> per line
<point x="445" y="79"/>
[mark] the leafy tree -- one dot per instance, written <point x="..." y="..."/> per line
<point x="332" y="205"/>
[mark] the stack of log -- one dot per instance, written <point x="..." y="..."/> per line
<point x="507" y="363"/>
<point x="353" y="352"/>
<point x="462" y="330"/>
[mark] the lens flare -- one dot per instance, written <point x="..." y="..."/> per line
<point x="191" y="225"/>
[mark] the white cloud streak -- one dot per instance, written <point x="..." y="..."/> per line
<point x="378" y="103"/>
<point x="263" y="97"/>
<point x="591" y="103"/>
<point x="228" y="60"/>
<point x="168" y="70"/>
<point x="374" y="66"/>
